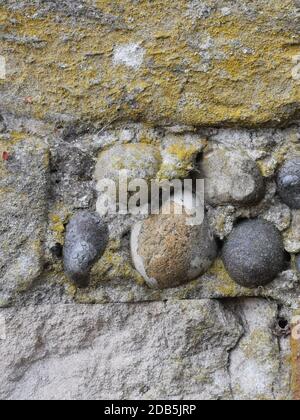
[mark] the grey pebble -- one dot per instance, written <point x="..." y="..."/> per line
<point x="288" y="182"/>
<point x="298" y="263"/>
<point x="85" y="242"/>
<point x="254" y="254"/>
<point x="231" y="177"/>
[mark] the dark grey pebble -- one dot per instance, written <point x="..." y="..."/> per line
<point x="85" y="242"/>
<point x="254" y="253"/>
<point x="288" y="182"/>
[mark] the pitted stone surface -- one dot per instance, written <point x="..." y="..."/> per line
<point x="186" y="350"/>
<point x="141" y="161"/>
<point x="288" y="181"/>
<point x="280" y="215"/>
<point x="82" y="78"/>
<point x="24" y="186"/>
<point x="257" y="367"/>
<point x="85" y="242"/>
<point x="254" y="254"/>
<point x="195" y="63"/>
<point x="155" y="351"/>
<point x="292" y="235"/>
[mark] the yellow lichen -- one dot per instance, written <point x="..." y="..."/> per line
<point x="57" y="221"/>
<point x="73" y="73"/>
<point x="226" y="286"/>
<point x="255" y="345"/>
<point x="184" y="153"/>
<point x="112" y="266"/>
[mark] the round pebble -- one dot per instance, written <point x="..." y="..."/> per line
<point x="231" y="177"/>
<point x="288" y="182"/>
<point x="254" y="254"/>
<point x="85" y="242"/>
<point x="169" y="252"/>
<point x="122" y="164"/>
<point x="141" y="161"/>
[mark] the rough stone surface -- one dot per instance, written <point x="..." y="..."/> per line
<point x="118" y="351"/>
<point x="179" y="153"/>
<point x="168" y="251"/>
<point x="280" y="215"/>
<point x="124" y="164"/>
<point x="85" y="242"/>
<point x="292" y="235"/>
<point x="288" y="182"/>
<point x="23" y="214"/>
<point x="70" y="187"/>
<point x="256" y="366"/>
<point x="254" y="253"/>
<point x="193" y="63"/>
<point x="123" y="351"/>
<point x="84" y="79"/>
<point x="231" y="178"/>
<point x="298" y="263"/>
<point x="222" y="219"/>
<point x="141" y="161"/>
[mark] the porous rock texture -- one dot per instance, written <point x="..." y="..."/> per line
<point x="24" y="185"/>
<point x="84" y="78"/>
<point x="253" y="253"/>
<point x="160" y="350"/>
<point x="194" y="62"/>
<point x="142" y="161"/>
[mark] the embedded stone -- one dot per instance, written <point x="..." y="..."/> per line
<point x="291" y="236"/>
<point x="298" y="262"/>
<point x="179" y="154"/>
<point x="254" y="254"/>
<point x="141" y="161"/>
<point x="168" y="251"/>
<point x="123" y="164"/>
<point x="85" y="242"/>
<point x="288" y="182"/>
<point x="280" y="215"/>
<point x="231" y="177"/>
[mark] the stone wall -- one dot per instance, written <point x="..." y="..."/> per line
<point x="166" y="90"/>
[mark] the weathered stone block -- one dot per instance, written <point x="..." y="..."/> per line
<point x="23" y="214"/>
<point x="259" y="367"/>
<point x="161" y="350"/>
<point x="195" y="63"/>
<point x="117" y="351"/>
